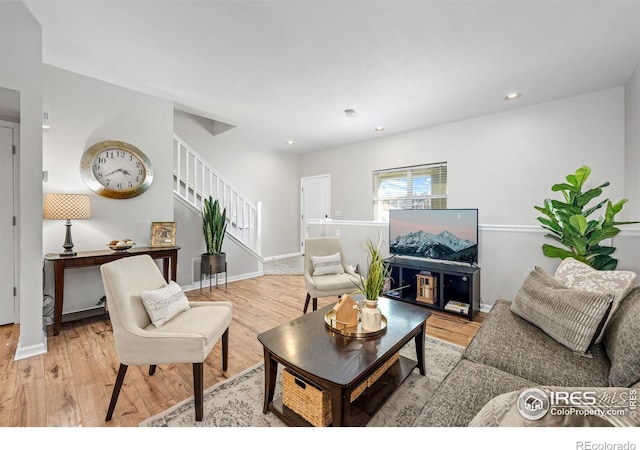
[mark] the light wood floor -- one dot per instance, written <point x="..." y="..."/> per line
<point x="71" y="384"/>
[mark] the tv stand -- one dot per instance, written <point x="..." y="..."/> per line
<point x="435" y="285"/>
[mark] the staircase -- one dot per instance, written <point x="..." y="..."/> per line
<point x="194" y="180"/>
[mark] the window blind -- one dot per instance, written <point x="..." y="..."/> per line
<point x="414" y="187"/>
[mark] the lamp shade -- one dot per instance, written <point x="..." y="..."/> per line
<point x="67" y="206"/>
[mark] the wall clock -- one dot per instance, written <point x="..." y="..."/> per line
<point x="116" y="169"/>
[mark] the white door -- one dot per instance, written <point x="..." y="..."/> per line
<point x="315" y="199"/>
<point x="7" y="299"/>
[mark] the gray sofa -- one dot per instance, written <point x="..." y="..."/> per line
<point x="509" y="354"/>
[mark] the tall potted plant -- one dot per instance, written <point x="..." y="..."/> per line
<point x="372" y="286"/>
<point x="570" y="224"/>
<point x="214" y="226"/>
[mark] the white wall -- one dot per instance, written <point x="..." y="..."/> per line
<point x="260" y="174"/>
<point x="21" y="56"/>
<point x="84" y="111"/>
<point x="631" y="210"/>
<point x="502" y="164"/>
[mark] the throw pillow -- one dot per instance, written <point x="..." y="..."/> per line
<point x="622" y="341"/>
<point x="327" y="265"/>
<point x="578" y="275"/>
<point x="569" y="316"/>
<point x="164" y="303"/>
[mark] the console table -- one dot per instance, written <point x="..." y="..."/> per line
<point x="169" y="256"/>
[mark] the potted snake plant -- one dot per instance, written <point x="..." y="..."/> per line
<point x="214" y="226"/>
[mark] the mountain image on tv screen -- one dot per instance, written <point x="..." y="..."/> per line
<point x="444" y="234"/>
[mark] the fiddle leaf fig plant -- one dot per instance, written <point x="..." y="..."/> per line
<point x="570" y="224"/>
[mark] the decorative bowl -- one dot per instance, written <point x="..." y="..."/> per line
<point x="120" y="248"/>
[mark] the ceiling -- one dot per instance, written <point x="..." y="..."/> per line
<point x="287" y="70"/>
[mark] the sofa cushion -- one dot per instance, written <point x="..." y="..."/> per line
<point x="570" y="316"/>
<point x="622" y="341"/>
<point x="578" y="275"/>
<point x="467" y="388"/>
<point x="512" y="344"/>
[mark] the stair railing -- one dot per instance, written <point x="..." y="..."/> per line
<point x="194" y="180"/>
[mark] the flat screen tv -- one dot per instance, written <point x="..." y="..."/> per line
<point x="442" y="234"/>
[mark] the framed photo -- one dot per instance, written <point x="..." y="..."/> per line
<point x="163" y="234"/>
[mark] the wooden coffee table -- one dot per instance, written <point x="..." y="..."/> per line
<point x="339" y="364"/>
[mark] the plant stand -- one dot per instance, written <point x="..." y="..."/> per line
<point x="213" y="265"/>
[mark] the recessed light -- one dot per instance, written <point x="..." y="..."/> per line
<point x="512" y="96"/>
<point x="290" y="142"/>
<point x="379" y="128"/>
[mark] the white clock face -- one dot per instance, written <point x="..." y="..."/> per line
<point x="116" y="169"/>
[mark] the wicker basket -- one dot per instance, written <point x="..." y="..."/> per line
<point x="305" y="399"/>
<point x="373" y="378"/>
<point x="314" y="404"/>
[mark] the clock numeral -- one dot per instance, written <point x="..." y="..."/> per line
<point x="107" y="182"/>
<point x="138" y="164"/>
<point x="140" y="172"/>
<point x="96" y="167"/>
<point x="99" y="174"/>
<point x="115" y="154"/>
<point x="119" y="186"/>
<point x="130" y="184"/>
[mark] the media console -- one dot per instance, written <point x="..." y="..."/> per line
<point x="447" y="287"/>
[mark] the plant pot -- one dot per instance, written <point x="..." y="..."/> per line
<point x="211" y="264"/>
<point x="371" y="316"/>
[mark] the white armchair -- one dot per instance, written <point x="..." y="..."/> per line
<point x="188" y="337"/>
<point x="340" y="281"/>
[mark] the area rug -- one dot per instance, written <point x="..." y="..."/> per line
<point x="237" y="402"/>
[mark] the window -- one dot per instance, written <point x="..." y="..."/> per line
<point x="415" y="187"/>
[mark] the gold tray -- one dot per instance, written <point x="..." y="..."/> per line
<point x="354" y="332"/>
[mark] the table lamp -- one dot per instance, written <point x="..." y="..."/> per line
<point x="67" y="207"/>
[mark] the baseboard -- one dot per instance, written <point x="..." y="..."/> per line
<point x="486" y="308"/>
<point x="32" y="350"/>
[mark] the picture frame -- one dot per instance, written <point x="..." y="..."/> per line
<point x="163" y="234"/>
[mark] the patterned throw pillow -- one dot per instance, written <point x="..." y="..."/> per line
<point x="164" y="303"/>
<point x="578" y="275"/>
<point x="327" y="265"/>
<point x="569" y="316"/>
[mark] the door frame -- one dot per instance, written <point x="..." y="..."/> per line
<point x="15" y="213"/>
<point x="303" y="233"/>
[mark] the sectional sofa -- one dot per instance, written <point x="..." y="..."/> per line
<point x="509" y="355"/>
